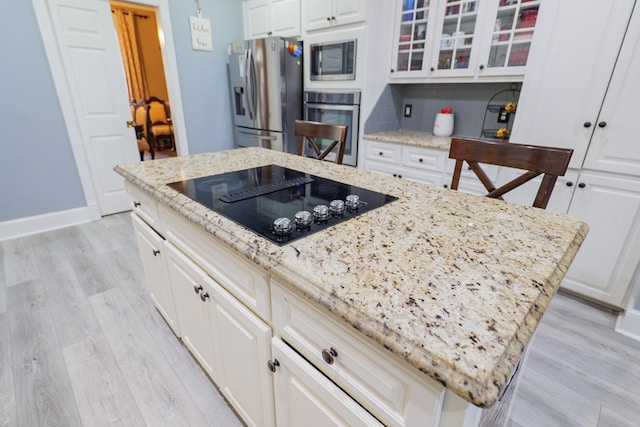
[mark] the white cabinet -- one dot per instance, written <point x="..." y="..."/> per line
<point x="307" y="398"/>
<point x="419" y="164"/>
<point x="569" y="71"/>
<point x="230" y="343"/>
<point x="265" y="18"/>
<point x="604" y="266"/>
<point x="463" y="40"/>
<point x="151" y="247"/>
<point x="242" y="347"/>
<point x="581" y="94"/>
<point x="192" y="293"/>
<point x="325" y="14"/>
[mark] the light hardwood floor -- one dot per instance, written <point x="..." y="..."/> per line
<point x="82" y="344"/>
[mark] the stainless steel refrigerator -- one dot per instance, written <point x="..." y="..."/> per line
<point x="266" y="92"/>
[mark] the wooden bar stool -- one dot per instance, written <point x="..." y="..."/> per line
<point x="307" y="133"/>
<point x="534" y="159"/>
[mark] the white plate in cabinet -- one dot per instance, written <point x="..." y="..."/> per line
<point x="151" y="246"/>
<point x="391" y="391"/>
<point x="307" y="398"/>
<point x="242" y="279"/>
<point x="143" y="204"/>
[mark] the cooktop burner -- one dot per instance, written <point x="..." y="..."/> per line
<point x="278" y="203"/>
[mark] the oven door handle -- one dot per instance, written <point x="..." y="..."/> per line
<point x="256" y="136"/>
<point x="333" y="106"/>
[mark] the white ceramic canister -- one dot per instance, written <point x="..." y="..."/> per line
<point x="443" y="126"/>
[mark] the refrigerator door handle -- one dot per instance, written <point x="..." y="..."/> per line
<point x="256" y="136"/>
<point x="249" y="83"/>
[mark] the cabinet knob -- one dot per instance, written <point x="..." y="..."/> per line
<point x="329" y="355"/>
<point x="432" y="69"/>
<point x="328" y="18"/>
<point x="273" y="364"/>
<point x="380" y="153"/>
<point x="446" y="185"/>
<point x="481" y="67"/>
<point x="582" y="185"/>
<point x="197" y="288"/>
<point x="602" y="124"/>
<point x="587" y="124"/>
<point x="136" y="204"/>
<point x="204" y="296"/>
<point x="420" y="160"/>
<point x="393" y="71"/>
<point x="569" y="184"/>
<point x="395" y="175"/>
<point x="333" y="18"/>
<point x="156" y="252"/>
<point x="399" y="176"/>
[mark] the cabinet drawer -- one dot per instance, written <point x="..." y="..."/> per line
<point x="242" y="279"/>
<point x="424" y="159"/>
<point x="143" y="204"/>
<point x="426" y="177"/>
<point x="395" y="393"/>
<point x="383" y="152"/>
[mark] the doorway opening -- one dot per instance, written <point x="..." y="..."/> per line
<point x="139" y="40"/>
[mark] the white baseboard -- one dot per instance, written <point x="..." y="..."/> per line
<point x="51" y="221"/>
<point x="628" y="323"/>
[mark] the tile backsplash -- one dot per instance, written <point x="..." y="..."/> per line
<point x="468" y="101"/>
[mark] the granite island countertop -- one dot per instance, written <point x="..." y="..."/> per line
<point x="409" y="137"/>
<point x="453" y="283"/>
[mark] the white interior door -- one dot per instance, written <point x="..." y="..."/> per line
<point x="90" y="57"/>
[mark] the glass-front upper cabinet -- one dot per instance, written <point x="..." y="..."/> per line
<point x="457" y="35"/>
<point x="413" y="43"/>
<point x="511" y="35"/>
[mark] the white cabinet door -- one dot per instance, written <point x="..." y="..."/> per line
<point x="614" y="146"/>
<point x="323" y="14"/>
<point x="189" y="289"/>
<point x="266" y="18"/>
<point x="285" y="18"/>
<point x="307" y="398"/>
<point x="257" y="14"/>
<point x="568" y="71"/>
<point x="607" y="260"/>
<point x="414" y="39"/>
<point x="151" y="246"/>
<point x="242" y="348"/>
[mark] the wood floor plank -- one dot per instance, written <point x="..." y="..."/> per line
<point x="20" y="261"/>
<point x="101" y="391"/>
<point x="158" y="392"/>
<point x="8" y="414"/>
<point x="42" y="386"/>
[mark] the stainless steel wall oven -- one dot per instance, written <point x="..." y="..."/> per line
<point x="342" y="108"/>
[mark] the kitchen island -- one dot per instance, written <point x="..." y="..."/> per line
<point x="449" y="285"/>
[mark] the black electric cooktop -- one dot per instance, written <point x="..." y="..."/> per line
<point x="272" y="200"/>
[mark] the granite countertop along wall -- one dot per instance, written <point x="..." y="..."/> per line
<point x="453" y="283"/>
<point x="409" y="137"/>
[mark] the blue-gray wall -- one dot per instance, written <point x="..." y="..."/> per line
<point x="38" y="173"/>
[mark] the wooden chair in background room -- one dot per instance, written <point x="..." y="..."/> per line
<point x="140" y="120"/>
<point x="160" y="127"/>
<point x="307" y="133"/>
<point x="535" y="160"/>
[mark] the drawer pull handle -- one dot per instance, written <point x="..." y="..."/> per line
<point x="204" y="296"/>
<point x="136" y="204"/>
<point x="156" y="252"/>
<point x="273" y="364"/>
<point x="329" y="355"/>
<point x="197" y="288"/>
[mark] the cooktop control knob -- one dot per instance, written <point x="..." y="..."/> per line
<point x="321" y="213"/>
<point x="303" y="219"/>
<point x="353" y="201"/>
<point x="282" y="226"/>
<point x="336" y="207"/>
